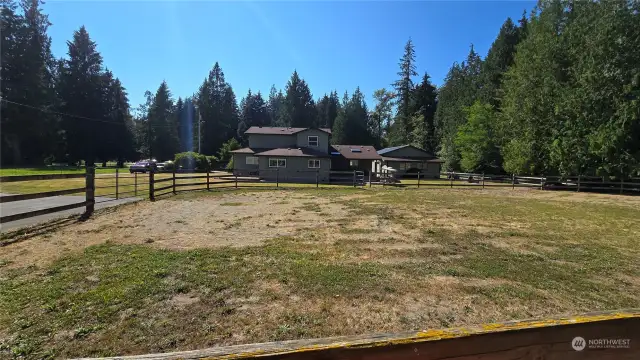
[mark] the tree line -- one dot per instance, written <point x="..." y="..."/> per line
<point x="556" y="93"/>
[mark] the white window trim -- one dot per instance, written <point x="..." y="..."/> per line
<point x="317" y="140"/>
<point x="314" y="162"/>
<point x="254" y="160"/>
<point x="277" y="160"/>
<point x="357" y="163"/>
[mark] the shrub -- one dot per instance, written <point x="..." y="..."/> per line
<point x="212" y="161"/>
<point x="230" y="164"/>
<point x="192" y="161"/>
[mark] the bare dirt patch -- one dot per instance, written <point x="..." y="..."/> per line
<point x="204" y="222"/>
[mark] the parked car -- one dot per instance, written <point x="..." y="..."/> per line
<point x="160" y="166"/>
<point x="143" y="166"/>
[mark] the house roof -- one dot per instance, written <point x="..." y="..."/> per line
<point x="390" y="149"/>
<point x="293" y="152"/>
<point x="386" y="158"/>
<point x="272" y="130"/>
<point x="355" y="152"/>
<point x="243" y="151"/>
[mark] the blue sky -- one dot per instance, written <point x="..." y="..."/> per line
<point x="333" y="45"/>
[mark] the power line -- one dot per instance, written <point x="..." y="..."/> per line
<point x="74" y="116"/>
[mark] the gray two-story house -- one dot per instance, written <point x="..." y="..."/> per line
<point x="285" y="153"/>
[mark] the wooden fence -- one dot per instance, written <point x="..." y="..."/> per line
<point x="563" y="338"/>
<point x="116" y="186"/>
<point x="95" y="189"/>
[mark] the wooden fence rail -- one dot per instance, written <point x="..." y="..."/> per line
<point x="559" y="338"/>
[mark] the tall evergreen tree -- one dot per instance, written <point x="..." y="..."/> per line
<point x="162" y="124"/>
<point x="275" y="107"/>
<point x="253" y="112"/>
<point x="218" y="110"/>
<point x="424" y="104"/>
<point x="27" y="78"/>
<point x="404" y="88"/>
<point x="352" y="124"/>
<point x="531" y="88"/>
<point x="299" y="107"/>
<point x="460" y="90"/>
<point x="498" y="60"/>
<point x="81" y="94"/>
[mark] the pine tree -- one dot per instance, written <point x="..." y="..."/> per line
<point x="27" y="78"/>
<point x="498" y="60"/>
<point x="299" y="107"/>
<point x="81" y="89"/>
<point x="404" y="88"/>
<point x="253" y="112"/>
<point x="461" y="88"/>
<point x="352" y="124"/>
<point x="162" y="124"/>
<point x="275" y="105"/>
<point x="531" y="88"/>
<point x="424" y="104"/>
<point x="218" y="110"/>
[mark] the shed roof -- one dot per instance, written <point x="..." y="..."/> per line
<point x="293" y="152"/>
<point x="272" y="130"/>
<point x="355" y="152"/>
<point x="390" y="149"/>
<point x="387" y="158"/>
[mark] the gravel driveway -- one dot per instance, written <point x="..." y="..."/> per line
<point x="18" y="207"/>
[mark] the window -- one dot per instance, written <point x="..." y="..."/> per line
<point x="312" y="140"/>
<point x="314" y="164"/>
<point x="353" y="163"/>
<point x="278" y="163"/>
<point x="252" y="160"/>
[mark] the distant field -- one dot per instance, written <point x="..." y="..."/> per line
<point x="52" y="170"/>
<point x="202" y="269"/>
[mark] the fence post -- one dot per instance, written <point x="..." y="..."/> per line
<point x="513" y="181"/>
<point x="418" y="179"/>
<point x="578" y="189"/>
<point x="174" y="180"/>
<point x="117" y="182"/>
<point x="277" y="177"/>
<point x="370" y="178"/>
<point x="208" y="188"/>
<point x="135" y="184"/>
<point x="152" y="196"/>
<point x="236" y="174"/>
<point x="621" y="185"/>
<point x="450" y="180"/>
<point x="542" y="182"/>
<point x="90" y="172"/>
<point x="483" y="179"/>
<point x="354" y="178"/>
<point x="317" y="182"/>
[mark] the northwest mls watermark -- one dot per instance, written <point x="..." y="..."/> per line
<point x="579" y="343"/>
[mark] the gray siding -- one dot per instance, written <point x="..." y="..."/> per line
<point x="408" y="152"/>
<point x="271" y="141"/>
<point x="297" y="170"/>
<point x="323" y="139"/>
<point x="240" y="166"/>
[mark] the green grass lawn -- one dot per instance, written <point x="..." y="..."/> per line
<point x="187" y="273"/>
<point x="53" y="170"/>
